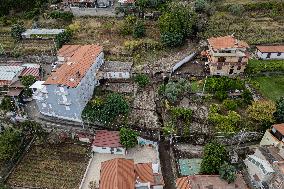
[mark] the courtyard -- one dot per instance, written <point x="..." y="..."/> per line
<point x="140" y="154"/>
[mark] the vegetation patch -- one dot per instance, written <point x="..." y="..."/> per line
<point x="58" y="166"/>
<point x="257" y="66"/>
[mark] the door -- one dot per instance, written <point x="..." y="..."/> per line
<point x="268" y="55"/>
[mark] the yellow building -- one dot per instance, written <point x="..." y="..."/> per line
<point x="226" y="56"/>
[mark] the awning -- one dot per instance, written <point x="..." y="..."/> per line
<point x="14" y="92"/>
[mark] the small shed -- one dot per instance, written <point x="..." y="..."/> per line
<point x="270" y="52"/>
<point x="107" y="142"/>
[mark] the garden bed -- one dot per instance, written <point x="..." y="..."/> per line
<point x="271" y="87"/>
<point x="58" y="166"/>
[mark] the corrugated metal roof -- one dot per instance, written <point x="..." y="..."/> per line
<point x="42" y="31"/>
<point x="9" y="72"/>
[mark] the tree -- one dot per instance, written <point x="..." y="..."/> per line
<point x="16" y="31"/>
<point x="10" y="140"/>
<point x="228" y="172"/>
<point x="142" y="80"/>
<point x="247" y="96"/>
<point x="279" y="113"/>
<point x="172" y="39"/>
<point x="226" y="124"/>
<point x="214" y="155"/>
<point x="27" y="81"/>
<point x="262" y="112"/>
<point x="128" y="137"/>
<point x="173" y="90"/>
<point x="200" y="5"/>
<point x="32" y="128"/>
<point x="237" y="9"/>
<point x="63" y="38"/>
<point x="7" y="104"/>
<point x="139" y="29"/>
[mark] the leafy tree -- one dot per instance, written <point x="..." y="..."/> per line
<point x="172" y="39"/>
<point x="214" y="155"/>
<point x="63" y="38"/>
<point x="226" y="124"/>
<point x="32" y="128"/>
<point x="173" y="90"/>
<point x="128" y="137"/>
<point x="139" y="29"/>
<point x="181" y="113"/>
<point x="126" y="27"/>
<point x="200" y="5"/>
<point x="27" y="81"/>
<point x="279" y="114"/>
<point x="247" y="97"/>
<point x="262" y="112"/>
<point x="16" y="31"/>
<point x="176" y="24"/>
<point x="237" y="9"/>
<point x="228" y="172"/>
<point x="142" y="80"/>
<point x="7" y="104"/>
<point x="9" y="143"/>
<point x="230" y="105"/>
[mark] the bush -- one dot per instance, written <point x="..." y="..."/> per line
<point x="230" y="105"/>
<point x="237" y="9"/>
<point x="127" y="25"/>
<point x="228" y="172"/>
<point x="63" y="38"/>
<point x="139" y="29"/>
<point x="7" y="104"/>
<point x="32" y="14"/>
<point x="181" y="113"/>
<point x="128" y="137"/>
<point x="279" y="114"/>
<point x="10" y="140"/>
<point x="247" y="97"/>
<point x="172" y="39"/>
<point x="142" y="80"/>
<point x="226" y="124"/>
<point x="67" y="16"/>
<point x="201" y="5"/>
<point x="16" y="31"/>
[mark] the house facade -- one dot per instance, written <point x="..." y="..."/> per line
<point x="270" y="52"/>
<point x="108" y="142"/>
<point x="66" y="92"/>
<point x="226" y="56"/>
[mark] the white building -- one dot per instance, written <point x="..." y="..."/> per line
<point x="108" y="142"/>
<point x="67" y="91"/>
<point x="116" y="70"/>
<point x="41" y="33"/>
<point x="270" y="52"/>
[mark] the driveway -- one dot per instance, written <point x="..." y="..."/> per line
<point x="138" y="154"/>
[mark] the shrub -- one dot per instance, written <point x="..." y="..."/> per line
<point x="181" y="113"/>
<point x="127" y="25"/>
<point x="226" y="124"/>
<point x="7" y="104"/>
<point x="279" y="113"/>
<point x="230" y="105"/>
<point x="228" y="172"/>
<point x="32" y="14"/>
<point x="139" y="29"/>
<point x="200" y="5"/>
<point x="10" y="140"/>
<point x="237" y="9"/>
<point x="63" y="38"/>
<point x="128" y="137"/>
<point x="142" y="80"/>
<point x="214" y="155"/>
<point x="67" y="16"/>
<point x="247" y="96"/>
<point x="16" y="31"/>
<point x="172" y="39"/>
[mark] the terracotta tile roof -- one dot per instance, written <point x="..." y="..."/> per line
<point x="72" y="71"/>
<point x="226" y="42"/>
<point x="271" y="49"/>
<point x="209" y="181"/>
<point x="68" y="51"/>
<point x="279" y="128"/>
<point x="144" y="173"/>
<point x="107" y="139"/>
<point x="117" y="174"/>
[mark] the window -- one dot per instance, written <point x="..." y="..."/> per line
<point x="219" y="67"/>
<point x="120" y="74"/>
<point x="279" y="54"/>
<point x="104" y="148"/>
<point x="268" y="55"/>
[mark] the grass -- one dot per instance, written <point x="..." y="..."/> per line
<point x="52" y="167"/>
<point x="257" y="66"/>
<point x="271" y="87"/>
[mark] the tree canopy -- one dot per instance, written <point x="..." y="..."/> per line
<point x="214" y="155"/>
<point x="228" y="172"/>
<point x="16" y="31"/>
<point x="128" y="137"/>
<point x="7" y="104"/>
<point x="279" y="113"/>
<point x="142" y="80"/>
<point x="9" y="143"/>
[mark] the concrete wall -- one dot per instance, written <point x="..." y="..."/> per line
<point x="230" y="59"/>
<point x="275" y="56"/>
<point x="107" y="150"/>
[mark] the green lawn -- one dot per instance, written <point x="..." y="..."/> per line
<point x="271" y="87"/>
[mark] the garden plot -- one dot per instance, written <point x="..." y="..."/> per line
<point x="58" y="166"/>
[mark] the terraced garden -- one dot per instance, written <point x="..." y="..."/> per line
<point x="52" y="167"/>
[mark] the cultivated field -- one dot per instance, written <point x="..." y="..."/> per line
<point x="52" y="167"/>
